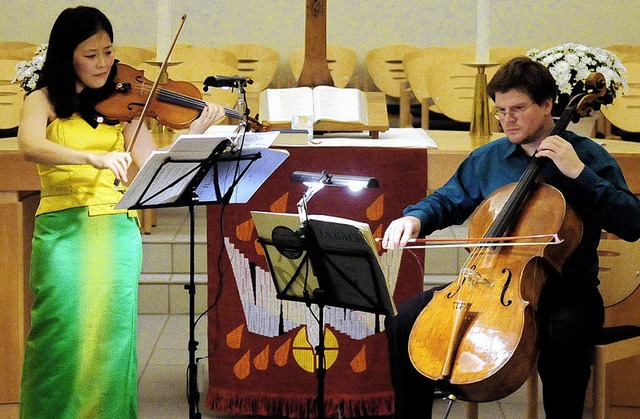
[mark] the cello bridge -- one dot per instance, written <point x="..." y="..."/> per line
<point x="474" y="278"/>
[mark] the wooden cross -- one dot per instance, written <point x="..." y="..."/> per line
<point x="315" y="70"/>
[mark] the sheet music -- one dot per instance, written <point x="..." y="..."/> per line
<point x="185" y="147"/>
<point x="171" y="182"/>
<point x="254" y="178"/>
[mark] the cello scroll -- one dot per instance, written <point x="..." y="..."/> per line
<point x="597" y="95"/>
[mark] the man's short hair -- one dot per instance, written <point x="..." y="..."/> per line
<point x="528" y="76"/>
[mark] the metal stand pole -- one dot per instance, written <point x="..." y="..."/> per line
<point x="321" y="369"/>
<point x="193" y="394"/>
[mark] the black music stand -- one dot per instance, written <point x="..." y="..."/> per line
<point x="326" y="261"/>
<point x="199" y="170"/>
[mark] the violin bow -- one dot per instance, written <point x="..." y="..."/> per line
<point x="152" y="92"/>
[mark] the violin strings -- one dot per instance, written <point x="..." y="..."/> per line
<point x="174" y="97"/>
<point x="185" y="100"/>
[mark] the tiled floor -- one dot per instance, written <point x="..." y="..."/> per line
<point x="163" y="359"/>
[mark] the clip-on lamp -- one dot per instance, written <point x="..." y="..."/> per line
<point x="317" y="181"/>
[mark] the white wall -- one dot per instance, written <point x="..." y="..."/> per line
<point x="362" y="24"/>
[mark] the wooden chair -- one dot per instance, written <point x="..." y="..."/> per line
<point x="451" y="84"/>
<point x="386" y="69"/>
<point x="342" y="63"/>
<point x="415" y="63"/>
<point x="624" y="112"/>
<point x="17" y="50"/>
<point x="256" y="62"/>
<point x="627" y="53"/>
<point x="195" y="55"/>
<point x="11" y="95"/>
<point x="619" y="278"/>
<point x="133" y="56"/>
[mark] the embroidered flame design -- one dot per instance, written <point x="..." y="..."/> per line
<point x="301" y="349"/>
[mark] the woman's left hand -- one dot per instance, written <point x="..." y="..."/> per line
<point x="209" y="116"/>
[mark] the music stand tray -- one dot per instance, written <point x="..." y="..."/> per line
<point x="199" y="170"/>
<point x="326" y="261"/>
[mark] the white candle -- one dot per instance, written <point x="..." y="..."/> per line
<point x="163" y="28"/>
<point x="483" y="29"/>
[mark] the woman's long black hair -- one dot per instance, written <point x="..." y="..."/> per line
<point x="73" y="26"/>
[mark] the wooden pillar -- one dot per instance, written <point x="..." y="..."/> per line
<point x="315" y="70"/>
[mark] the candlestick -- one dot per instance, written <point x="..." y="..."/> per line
<point x="480" y="118"/>
<point x="163" y="29"/>
<point x="483" y="30"/>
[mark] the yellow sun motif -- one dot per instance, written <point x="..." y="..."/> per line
<point x="305" y="355"/>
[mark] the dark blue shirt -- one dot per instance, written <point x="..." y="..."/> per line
<point x="599" y="195"/>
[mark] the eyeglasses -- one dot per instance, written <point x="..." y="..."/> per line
<point x="515" y="112"/>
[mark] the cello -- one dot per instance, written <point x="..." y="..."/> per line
<point x="477" y="337"/>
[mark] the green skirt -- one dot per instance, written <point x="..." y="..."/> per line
<point x="80" y="357"/>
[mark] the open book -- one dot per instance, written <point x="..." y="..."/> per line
<point x="324" y="103"/>
<point x="337" y="255"/>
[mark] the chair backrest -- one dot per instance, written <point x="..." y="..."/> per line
<point x="133" y="56"/>
<point x="450" y="83"/>
<point x="624" y="112"/>
<point x="256" y="62"/>
<point x="194" y="55"/>
<point x="416" y="62"/>
<point x="413" y="64"/>
<point x="11" y="95"/>
<point x="619" y="272"/>
<point x="627" y="53"/>
<point x="17" y="50"/>
<point x="342" y="62"/>
<point x="195" y="74"/>
<point x="385" y="65"/>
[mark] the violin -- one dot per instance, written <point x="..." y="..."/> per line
<point x="176" y="103"/>
<point x="478" y="336"/>
<point x="143" y="98"/>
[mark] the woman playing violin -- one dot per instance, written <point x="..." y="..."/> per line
<point x="80" y="356"/>
<point x="570" y="308"/>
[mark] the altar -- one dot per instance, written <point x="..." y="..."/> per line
<point x="262" y="349"/>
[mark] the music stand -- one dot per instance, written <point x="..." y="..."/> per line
<point x="199" y="170"/>
<point x="327" y="261"/>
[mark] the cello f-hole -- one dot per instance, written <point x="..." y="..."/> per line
<point x="505" y="288"/>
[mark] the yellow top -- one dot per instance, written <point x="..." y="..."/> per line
<point x="69" y="186"/>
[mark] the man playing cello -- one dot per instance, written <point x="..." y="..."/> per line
<point x="570" y="310"/>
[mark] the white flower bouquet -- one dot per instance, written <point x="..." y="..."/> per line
<point x="28" y="72"/>
<point x="571" y="63"/>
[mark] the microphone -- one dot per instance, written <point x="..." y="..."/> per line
<point x="226" y="81"/>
